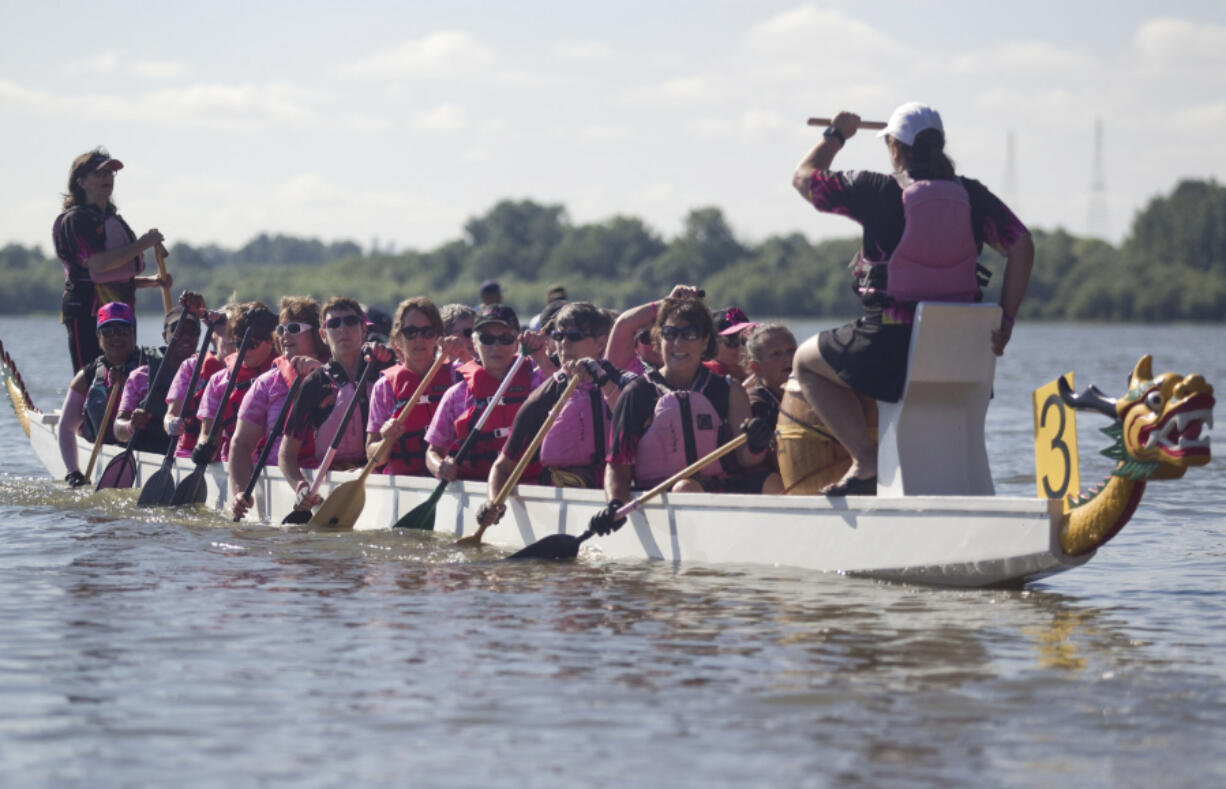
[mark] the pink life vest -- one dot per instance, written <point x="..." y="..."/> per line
<point x="581" y="432"/>
<point x="936" y="257"/>
<point x="685" y="425"/>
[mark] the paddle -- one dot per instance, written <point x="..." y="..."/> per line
<point x="344" y="504"/>
<point x="106" y="421"/>
<point x="159" y="489"/>
<point x="422" y="516"/>
<point x="121" y="471"/>
<point x="304" y="516"/>
<point x="518" y="471"/>
<point x="863" y="124"/>
<point x="193" y="489"/>
<point x="566" y="546"/>
<point x="271" y="438"/>
<point x="160" y="254"/>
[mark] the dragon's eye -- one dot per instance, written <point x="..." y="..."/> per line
<point x="1154" y="400"/>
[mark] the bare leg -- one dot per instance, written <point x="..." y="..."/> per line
<point x="837" y="406"/>
<point x="687" y="486"/>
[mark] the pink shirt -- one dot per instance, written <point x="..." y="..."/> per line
<point x="210" y="401"/>
<point x="135" y="389"/>
<point x="455" y="402"/>
<point x="263" y="402"/>
<point x="183" y="376"/>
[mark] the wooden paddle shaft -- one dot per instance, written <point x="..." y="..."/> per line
<point x="106" y="420"/>
<point x="863" y="124"/>
<point x="160" y="254"/>
<point x="518" y="471"/>
<point x="688" y="471"/>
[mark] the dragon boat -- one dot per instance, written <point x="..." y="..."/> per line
<point x="936" y="519"/>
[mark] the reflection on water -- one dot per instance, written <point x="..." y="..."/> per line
<point x="143" y="646"/>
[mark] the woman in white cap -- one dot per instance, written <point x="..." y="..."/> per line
<point x="100" y="253"/>
<point x="924" y="227"/>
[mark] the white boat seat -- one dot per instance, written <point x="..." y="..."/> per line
<point x="931" y="442"/>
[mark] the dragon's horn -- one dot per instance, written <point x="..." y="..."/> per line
<point x="1091" y="398"/>
<point x="1144" y="371"/>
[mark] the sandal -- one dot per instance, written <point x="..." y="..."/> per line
<point x="853" y="487"/>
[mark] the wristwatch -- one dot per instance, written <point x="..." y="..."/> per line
<point x="832" y="133"/>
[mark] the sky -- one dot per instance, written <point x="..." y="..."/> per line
<point x="394" y="122"/>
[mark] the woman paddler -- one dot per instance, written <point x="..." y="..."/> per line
<point x="301" y="350"/>
<point x="498" y="336"/>
<point x="769" y="349"/>
<point x="572" y="454"/>
<point x="416" y="331"/>
<point x="256" y="361"/>
<point x="326" y="392"/>
<point x="181" y="405"/>
<point x="669" y="418"/>
<point x="100" y="253"/>
<point x="924" y="227"/>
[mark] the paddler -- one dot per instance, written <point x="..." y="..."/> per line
<point x="668" y="419"/>
<point x="572" y="454"/>
<point x="768" y="352"/>
<point x="256" y="361"/>
<point x="181" y="333"/>
<point x="416" y="333"/>
<point x="458" y="322"/>
<point x="181" y="405"/>
<point x="301" y="350"/>
<point x="84" y="407"/>
<point x="498" y="337"/>
<point x="730" y="326"/>
<point x="325" y="393"/>
<point x="631" y="344"/>
<point x="924" y="227"/>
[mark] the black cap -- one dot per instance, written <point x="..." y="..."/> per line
<point x="496" y="313"/>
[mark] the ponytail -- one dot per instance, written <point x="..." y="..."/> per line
<point x="926" y="157"/>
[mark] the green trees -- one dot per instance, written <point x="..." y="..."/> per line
<point x="1171" y="267"/>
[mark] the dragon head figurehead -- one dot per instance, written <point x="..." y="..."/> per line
<point x="1163" y="419"/>
<point x="1158" y="429"/>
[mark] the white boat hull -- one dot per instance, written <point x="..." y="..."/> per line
<point x="970" y="541"/>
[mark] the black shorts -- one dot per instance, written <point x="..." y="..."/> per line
<point x="869" y="356"/>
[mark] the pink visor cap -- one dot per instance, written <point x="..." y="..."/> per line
<point x="115" y="312"/>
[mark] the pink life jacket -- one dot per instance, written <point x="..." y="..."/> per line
<point x="936" y="257"/>
<point x="352" y="448"/>
<point x="409" y="453"/>
<point x="685" y="425"/>
<point x="581" y="432"/>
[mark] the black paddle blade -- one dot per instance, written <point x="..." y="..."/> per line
<point x="297" y="517"/>
<point x="555" y="546"/>
<point x="421" y="517"/>
<point x="119" y="473"/>
<point x="158" y="490"/>
<point x="193" y="490"/>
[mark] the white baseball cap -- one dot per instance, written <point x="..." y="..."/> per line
<point x="909" y="120"/>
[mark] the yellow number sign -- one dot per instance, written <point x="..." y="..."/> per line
<point x="1055" y="444"/>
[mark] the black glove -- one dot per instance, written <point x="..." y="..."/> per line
<point x="760" y="433"/>
<point x="606" y="520"/>
<point x="203" y="453"/>
<point x="75" y="479"/>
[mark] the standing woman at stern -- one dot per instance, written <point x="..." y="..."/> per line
<point x="924" y="227"/>
<point x="100" y="253"/>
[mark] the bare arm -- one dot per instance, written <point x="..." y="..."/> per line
<point x="108" y="259"/>
<point x="821" y="156"/>
<point x="738" y="412"/>
<point x="617" y="481"/>
<point x="1019" y="262"/>
<point x="620" y="349"/>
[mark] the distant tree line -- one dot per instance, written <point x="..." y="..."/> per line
<point x="1171" y="267"/>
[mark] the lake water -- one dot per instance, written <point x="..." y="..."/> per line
<point x="141" y="650"/>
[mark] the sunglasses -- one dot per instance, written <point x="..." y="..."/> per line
<point x="293" y="328"/>
<point x="467" y="332"/>
<point x="574" y="335"/>
<point x="688" y="333"/>
<point x="499" y="339"/>
<point x="337" y="321"/>
<point x="115" y="329"/>
<point x="413" y="332"/>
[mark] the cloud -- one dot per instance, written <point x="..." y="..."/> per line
<point x="584" y="51"/>
<point x="442" y="119"/>
<point x="447" y="54"/>
<point x="1179" y="42"/>
<point x="234" y="107"/>
<point x="807" y="33"/>
<point x="116" y="64"/>
<point x="1019" y="59"/>
<point x="751" y="123"/>
<point x="668" y="92"/>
